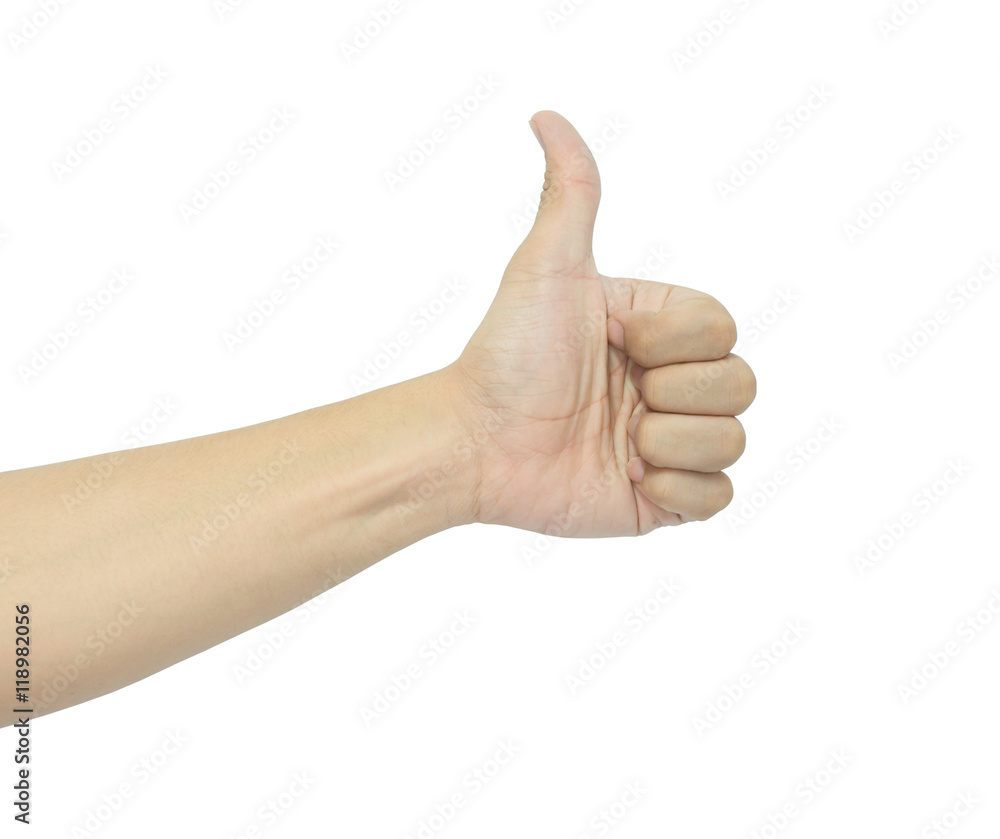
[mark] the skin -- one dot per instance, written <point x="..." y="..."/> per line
<point x="583" y="405"/>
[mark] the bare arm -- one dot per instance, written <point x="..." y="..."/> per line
<point x="583" y="405"/>
<point x="187" y="544"/>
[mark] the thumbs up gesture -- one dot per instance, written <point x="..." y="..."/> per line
<point x="610" y="403"/>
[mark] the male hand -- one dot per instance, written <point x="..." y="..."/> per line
<point x="612" y="402"/>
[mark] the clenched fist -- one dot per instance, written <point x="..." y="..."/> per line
<point x="611" y="403"/>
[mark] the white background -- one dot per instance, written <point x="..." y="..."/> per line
<point x="671" y="135"/>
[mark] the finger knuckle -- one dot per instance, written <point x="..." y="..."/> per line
<point x="743" y="386"/>
<point x="719" y="495"/>
<point x="582" y="169"/>
<point x="720" y="329"/>
<point x="732" y="440"/>
<point x="578" y="173"/>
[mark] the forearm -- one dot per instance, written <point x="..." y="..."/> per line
<point x="187" y="544"/>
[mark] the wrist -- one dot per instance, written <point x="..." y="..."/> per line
<point x="441" y="484"/>
<point x="473" y="452"/>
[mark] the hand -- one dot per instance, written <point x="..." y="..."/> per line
<point x="611" y="403"/>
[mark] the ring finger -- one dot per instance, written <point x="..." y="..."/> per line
<point x="689" y="442"/>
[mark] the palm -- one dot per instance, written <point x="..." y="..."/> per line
<point x="562" y="399"/>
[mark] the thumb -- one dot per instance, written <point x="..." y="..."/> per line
<point x="563" y="232"/>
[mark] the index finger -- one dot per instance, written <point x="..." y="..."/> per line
<point x="696" y="329"/>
